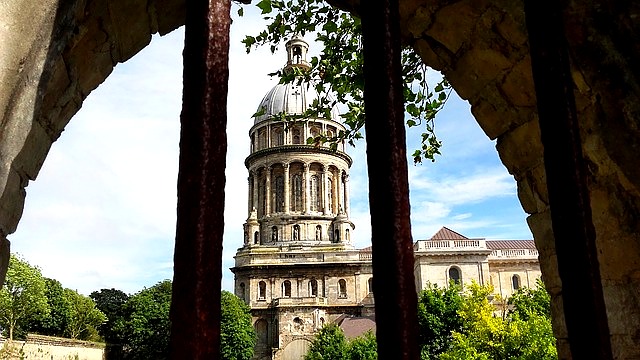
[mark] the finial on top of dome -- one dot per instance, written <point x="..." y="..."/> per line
<point x="297" y="53"/>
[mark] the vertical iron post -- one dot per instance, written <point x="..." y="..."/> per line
<point x="393" y="259"/>
<point x="567" y="183"/>
<point x="195" y="305"/>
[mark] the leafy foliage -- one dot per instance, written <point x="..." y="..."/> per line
<point x="22" y="298"/>
<point x="84" y="317"/>
<point x="147" y="323"/>
<point x="237" y="336"/>
<point x="59" y="317"/>
<point x="329" y="343"/>
<point x="363" y="347"/>
<point x="339" y="70"/>
<point x="111" y="303"/>
<point x="438" y="317"/>
<point x="527" y="302"/>
<point x="486" y="336"/>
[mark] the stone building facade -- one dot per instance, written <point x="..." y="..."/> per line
<point x="449" y="256"/>
<point x="298" y="269"/>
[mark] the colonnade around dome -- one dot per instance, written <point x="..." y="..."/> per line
<point x="298" y="188"/>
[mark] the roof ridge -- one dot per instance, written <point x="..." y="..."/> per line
<point x="447" y="234"/>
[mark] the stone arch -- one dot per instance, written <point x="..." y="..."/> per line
<point x="51" y="68"/>
<point x="480" y="46"/>
<point x="262" y="329"/>
<point x="296" y="349"/>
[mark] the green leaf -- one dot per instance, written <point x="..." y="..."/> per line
<point x="241" y="11"/>
<point x="265" y="6"/>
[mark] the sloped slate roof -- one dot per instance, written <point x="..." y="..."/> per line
<point x="510" y="244"/>
<point x="356" y="326"/>
<point x="447" y="234"/>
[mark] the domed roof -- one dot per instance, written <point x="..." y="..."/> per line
<point x="296" y="97"/>
<point x="291" y="99"/>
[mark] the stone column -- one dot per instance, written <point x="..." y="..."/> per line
<point x="255" y="191"/>
<point x="307" y="193"/>
<point x="268" y="130"/>
<point x="249" y="193"/>
<point x="325" y="190"/>
<point x="305" y="132"/>
<point x="346" y="194"/>
<point x="339" y="192"/>
<point x="287" y="194"/>
<point x="267" y="192"/>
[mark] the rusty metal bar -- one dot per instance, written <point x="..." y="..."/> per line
<point x="567" y="183"/>
<point x="195" y="306"/>
<point x="394" y="286"/>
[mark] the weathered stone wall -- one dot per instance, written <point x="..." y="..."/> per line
<point x="52" y="348"/>
<point x="54" y="54"/>
<point x="480" y="45"/>
<point x="502" y="273"/>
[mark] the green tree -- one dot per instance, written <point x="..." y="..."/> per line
<point x="237" y="336"/>
<point x="486" y="336"/>
<point x="112" y="303"/>
<point x="328" y="344"/>
<point x="147" y="323"/>
<point x="23" y="297"/>
<point x="363" y="347"/>
<point x="438" y="317"/>
<point x="526" y="301"/>
<point x="339" y="70"/>
<point x="54" y="324"/>
<point x="85" y="317"/>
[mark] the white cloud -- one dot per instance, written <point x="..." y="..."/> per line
<point x="102" y="211"/>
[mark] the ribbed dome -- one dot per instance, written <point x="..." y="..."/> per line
<point x="292" y="99"/>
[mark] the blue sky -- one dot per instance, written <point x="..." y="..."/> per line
<point x="101" y="213"/>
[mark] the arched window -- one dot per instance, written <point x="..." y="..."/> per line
<point x="262" y="139"/>
<point x="315" y="131"/>
<point x="262" y="290"/>
<point x="242" y="292"/>
<point x="313" y="287"/>
<point x="262" y="331"/>
<point x="296" y="193"/>
<point x="279" y="194"/>
<point x="318" y="232"/>
<point x="342" y="288"/>
<point x="515" y="282"/>
<point x="315" y="193"/>
<point x="455" y="276"/>
<point x="346" y="235"/>
<point x="286" y="288"/>
<point x="277" y="137"/>
<point x="296" y="136"/>
<point x="262" y="203"/>
<point x="256" y="237"/>
<point x="274" y="234"/>
<point x="296" y="233"/>
<point x="336" y="236"/>
<point x="370" y="284"/>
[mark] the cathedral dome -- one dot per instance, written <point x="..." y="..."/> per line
<point x="296" y="97"/>
<point x="291" y="99"/>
